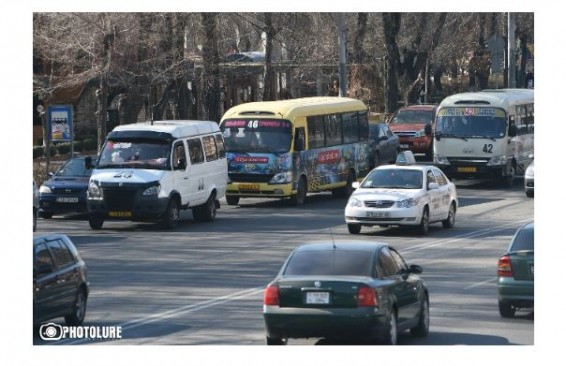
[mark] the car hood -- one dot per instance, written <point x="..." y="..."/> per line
<point x="124" y="175"/>
<point x="67" y="182"/>
<point x="385" y="194"/>
<point x="402" y="127"/>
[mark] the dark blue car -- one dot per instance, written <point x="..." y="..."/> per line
<point x="65" y="191"/>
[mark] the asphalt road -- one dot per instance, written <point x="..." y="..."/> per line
<point x="202" y="283"/>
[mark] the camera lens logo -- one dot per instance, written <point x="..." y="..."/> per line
<point x="50" y="332"/>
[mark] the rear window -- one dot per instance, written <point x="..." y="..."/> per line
<point x="524" y="240"/>
<point x="333" y="263"/>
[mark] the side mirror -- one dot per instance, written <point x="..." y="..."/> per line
<point x="512" y="130"/>
<point x="433" y="185"/>
<point x="414" y="268"/>
<point x="428" y="129"/>
<point x="88" y="163"/>
<point x="355" y="185"/>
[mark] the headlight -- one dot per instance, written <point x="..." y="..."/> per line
<point x="408" y="203"/>
<point x="94" y="192"/>
<point x="152" y="191"/>
<point x="44" y="189"/>
<point x="354" y="202"/>
<point x="441" y="159"/>
<point x="281" y="178"/>
<point x="497" y="160"/>
<point x="530" y="172"/>
<point x="420" y="133"/>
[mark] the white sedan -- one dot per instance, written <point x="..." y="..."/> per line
<point x="404" y="194"/>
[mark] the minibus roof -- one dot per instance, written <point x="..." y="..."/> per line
<point x="176" y="128"/>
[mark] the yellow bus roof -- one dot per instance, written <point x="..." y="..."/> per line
<point x="292" y="108"/>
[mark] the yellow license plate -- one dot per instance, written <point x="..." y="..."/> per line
<point x="466" y="169"/>
<point x="249" y="187"/>
<point x="120" y="214"/>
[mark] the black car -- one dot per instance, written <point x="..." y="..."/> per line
<point x="345" y="289"/>
<point x="384" y="144"/>
<point x="65" y="191"/>
<point x="60" y="285"/>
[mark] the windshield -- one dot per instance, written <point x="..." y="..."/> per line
<point x="412" y="116"/>
<point x="471" y="123"/>
<point x="144" y="154"/>
<point x="330" y="263"/>
<point x="74" y="168"/>
<point x="394" y="178"/>
<point x="257" y="135"/>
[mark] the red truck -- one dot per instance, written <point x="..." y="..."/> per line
<point x="410" y="124"/>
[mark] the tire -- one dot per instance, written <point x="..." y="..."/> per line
<point x="509" y="178"/>
<point x="390" y="337"/>
<point x="207" y="211"/>
<point x="79" y="310"/>
<point x="451" y="219"/>
<point x="354" y="228"/>
<point x="506" y="310"/>
<point x="232" y="200"/>
<point x="425" y="223"/>
<point x="34" y="219"/>
<point x="172" y="214"/>
<point x="298" y="199"/>
<point x="375" y="159"/>
<point x="429" y="153"/>
<point x="530" y="194"/>
<point x="46" y="215"/>
<point x="421" y="330"/>
<point x="348" y="189"/>
<point x="95" y="222"/>
<point x="275" y="341"/>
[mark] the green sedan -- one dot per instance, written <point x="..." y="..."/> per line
<point x="516" y="273"/>
<point x="345" y="289"/>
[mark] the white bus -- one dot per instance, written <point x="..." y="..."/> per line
<point x="487" y="134"/>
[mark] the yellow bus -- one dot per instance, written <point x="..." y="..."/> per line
<point x="288" y="148"/>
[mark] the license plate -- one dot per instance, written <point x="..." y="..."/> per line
<point x="404" y="146"/>
<point x="318" y="298"/>
<point x="466" y="169"/>
<point x="377" y="214"/>
<point x="249" y="187"/>
<point x="120" y="214"/>
<point x="67" y="199"/>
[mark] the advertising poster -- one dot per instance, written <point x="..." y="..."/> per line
<point x="60" y="122"/>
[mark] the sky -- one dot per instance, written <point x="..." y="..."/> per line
<point x="16" y="156"/>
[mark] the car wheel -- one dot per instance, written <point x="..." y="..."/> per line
<point x="509" y="178"/>
<point x="391" y="334"/>
<point x="275" y="341"/>
<point x="530" y="194"/>
<point x="172" y="214"/>
<point x="451" y="219"/>
<point x="34" y="219"/>
<point x="206" y="212"/>
<point x="46" y="215"/>
<point x="299" y="198"/>
<point x="232" y="200"/>
<point x="79" y="310"/>
<point x="424" y="225"/>
<point x="421" y="330"/>
<point x="506" y="310"/>
<point x="354" y="228"/>
<point x="95" y="222"/>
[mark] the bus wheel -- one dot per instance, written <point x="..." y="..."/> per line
<point x="299" y="198"/>
<point x="95" y="222"/>
<point x="232" y="200"/>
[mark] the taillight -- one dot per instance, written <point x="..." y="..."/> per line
<point x="271" y="295"/>
<point x="366" y="296"/>
<point x="504" y="268"/>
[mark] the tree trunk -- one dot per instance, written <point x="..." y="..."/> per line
<point x="211" y="60"/>
<point x="391" y="26"/>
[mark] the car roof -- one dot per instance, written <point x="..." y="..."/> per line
<point x="342" y="245"/>
<point x="529" y="225"/>
<point x="405" y="167"/>
<point x="38" y="238"/>
<point x="418" y="107"/>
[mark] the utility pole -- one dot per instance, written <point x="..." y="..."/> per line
<point x="511" y="26"/>
<point x="342" y="53"/>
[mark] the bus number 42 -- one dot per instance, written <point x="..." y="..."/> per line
<point x="487" y="148"/>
